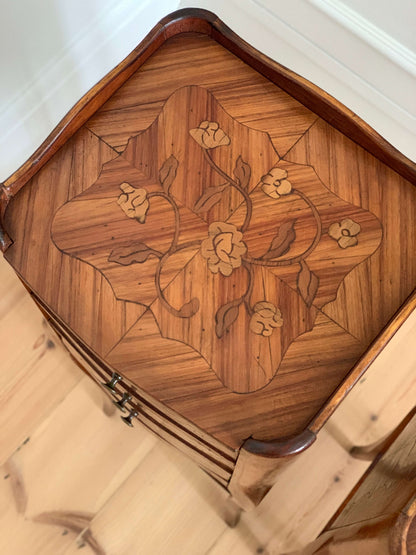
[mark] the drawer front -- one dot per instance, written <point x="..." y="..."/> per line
<point x="208" y="453"/>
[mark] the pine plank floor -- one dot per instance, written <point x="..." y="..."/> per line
<point x="75" y="480"/>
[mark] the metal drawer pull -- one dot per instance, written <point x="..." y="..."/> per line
<point x="115" y="378"/>
<point x="128" y="419"/>
<point x="120" y="404"/>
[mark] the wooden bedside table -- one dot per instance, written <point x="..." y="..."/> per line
<point x="210" y="243"/>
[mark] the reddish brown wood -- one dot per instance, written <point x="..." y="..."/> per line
<point x="403" y="539"/>
<point x="218" y="245"/>
<point x="320" y="102"/>
<point x="363" y="364"/>
<point x="84" y="108"/>
<point x="5" y="240"/>
<point x="122" y="278"/>
<point x="259" y="463"/>
<point x="203" y="21"/>
<point x="390" y="535"/>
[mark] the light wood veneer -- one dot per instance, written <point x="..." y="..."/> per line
<point x="234" y="243"/>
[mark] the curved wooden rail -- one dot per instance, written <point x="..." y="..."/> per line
<point x="328" y="108"/>
<point x="204" y="21"/>
<point x="379" y="343"/>
<point x="280" y="448"/>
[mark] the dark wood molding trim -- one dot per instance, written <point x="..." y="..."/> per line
<point x="181" y="21"/>
<point x="318" y="101"/>
<point x="280" y="448"/>
<point x="376" y="347"/>
<point x="329" y="109"/>
<point x="204" y="21"/>
<point x="298" y="443"/>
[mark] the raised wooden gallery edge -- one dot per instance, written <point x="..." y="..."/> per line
<point x="225" y="266"/>
<point x="206" y="22"/>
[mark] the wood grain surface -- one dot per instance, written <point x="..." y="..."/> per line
<point x="57" y="425"/>
<point x="218" y="244"/>
<point x="207" y="23"/>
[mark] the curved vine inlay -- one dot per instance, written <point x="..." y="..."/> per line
<point x="233" y="250"/>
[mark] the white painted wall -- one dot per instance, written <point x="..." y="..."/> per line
<point x="53" y="51"/>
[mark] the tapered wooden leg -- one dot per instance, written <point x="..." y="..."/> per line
<point x="253" y="477"/>
<point x="232" y="512"/>
<point x="259" y="463"/>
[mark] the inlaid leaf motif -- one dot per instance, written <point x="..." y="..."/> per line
<point x="132" y="254"/>
<point x="167" y="173"/>
<point x="242" y="172"/>
<point x="189" y="309"/>
<point x="281" y="242"/>
<point x="308" y="283"/>
<point x="211" y="196"/>
<point x="247" y="257"/>
<point x="226" y="315"/>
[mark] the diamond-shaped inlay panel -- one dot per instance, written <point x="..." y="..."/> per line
<point x="232" y="250"/>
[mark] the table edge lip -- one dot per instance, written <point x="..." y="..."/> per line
<point x="206" y="22"/>
<point x="313" y="97"/>
<point x="284" y="447"/>
<point x="376" y="347"/>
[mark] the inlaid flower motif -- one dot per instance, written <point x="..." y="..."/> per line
<point x="133" y="202"/>
<point x="223" y="248"/>
<point x="275" y="183"/>
<point x="209" y="135"/>
<point x="265" y="318"/>
<point x="345" y="233"/>
<point x="269" y="267"/>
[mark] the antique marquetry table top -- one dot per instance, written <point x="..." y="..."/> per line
<point x="218" y="243"/>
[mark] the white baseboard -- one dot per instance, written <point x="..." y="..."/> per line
<point x="327" y="43"/>
<point x="48" y="92"/>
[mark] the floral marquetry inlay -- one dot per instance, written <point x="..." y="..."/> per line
<point x="232" y="250"/>
<point x="224" y="248"/>
<point x="275" y="183"/>
<point x="345" y="233"/>
<point x="133" y="202"/>
<point x="265" y="317"/>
